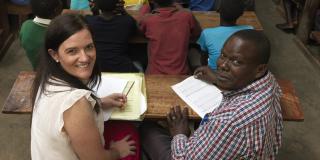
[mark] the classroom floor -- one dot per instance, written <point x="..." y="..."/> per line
<point x="300" y="139"/>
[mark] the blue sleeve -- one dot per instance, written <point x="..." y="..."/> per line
<point x="202" y="42"/>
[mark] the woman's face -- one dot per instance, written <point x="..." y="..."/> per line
<point x="77" y="55"/>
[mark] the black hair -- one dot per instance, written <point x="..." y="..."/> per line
<point x="257" y="39"/>
<point x="106" y="5"/>
<point x="231" y="10"/>
<point x="46" y="8"/>
<point x="164" y="3"/>
<point x="59" y="30"/>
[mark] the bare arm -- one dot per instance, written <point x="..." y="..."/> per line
<point x="80" y="126"/>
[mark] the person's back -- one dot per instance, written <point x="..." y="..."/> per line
<point x="32" y="32"/>
<point x="203" y="5"/>
<point x="79" y="5"/>
<point x="112" y="33"/>
<point x="169" y="30"/>
<point x="31" y="39"/>
<point x="212" y="40"/>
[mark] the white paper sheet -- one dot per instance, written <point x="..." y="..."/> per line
<point x="108" y="86"/>
<point x="200" y="96"/>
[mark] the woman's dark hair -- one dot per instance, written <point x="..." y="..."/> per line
<point x="46" y="8"/>
<point x="59" y="30"/>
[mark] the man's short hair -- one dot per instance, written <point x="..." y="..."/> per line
<point x="231" y="10"/>
<point x="45" y="8"/>
<point x="106" y="5"/>
<point x="164" y="3"/>
<point x="257" y="39"/>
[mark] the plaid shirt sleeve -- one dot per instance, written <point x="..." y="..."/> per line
<point x="214" y="140"/>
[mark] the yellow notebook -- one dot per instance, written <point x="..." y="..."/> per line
<point x="136" y="96"/>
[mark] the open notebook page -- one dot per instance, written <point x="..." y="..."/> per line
<point x="200" y="96"/>
<point x="108" y="86"/>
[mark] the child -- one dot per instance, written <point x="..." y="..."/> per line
<point x="33" y="31"/>
<point x="169" y="29"/>
<point x="212" y="39"/>
<point x="112" y="31"/>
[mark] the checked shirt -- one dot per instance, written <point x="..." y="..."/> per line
<point x="247" y="125"/>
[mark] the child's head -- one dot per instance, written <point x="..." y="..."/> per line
<point x="163" y="3"/>
<point x="106" y="5"/>
<point x="231" y="10"/>
<point x="47" y="9"/>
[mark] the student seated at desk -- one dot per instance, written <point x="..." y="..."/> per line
<point x="168" y="28"/>
<point x="112" y="30"/>
<point x="67" y="120"/>
<point x="248" y="122"/>
<point x="212" y="40"/>
<point x="33" y="31"/>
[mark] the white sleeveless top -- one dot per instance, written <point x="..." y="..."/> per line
<point x="48" y="140"/>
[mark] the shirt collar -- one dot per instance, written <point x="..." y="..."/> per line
<point x="42" y="21"/>
<point x="254" y="86"/>
<point x="168" y="10"/>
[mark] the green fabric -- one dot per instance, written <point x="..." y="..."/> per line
<point x="32" y="39"/>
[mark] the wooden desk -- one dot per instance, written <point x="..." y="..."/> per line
<point x="212" y="19"/>
<point x="160" y="97"/>
<point x="208" y="19"/>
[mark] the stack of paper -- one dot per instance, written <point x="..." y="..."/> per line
<point x="200" y="96"/>
<point x="133" y="85"/>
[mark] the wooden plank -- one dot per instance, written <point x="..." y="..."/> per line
<point x="160" y="97"/>
<point x="212" y="18"/>
<point x="19" y="99"/>
<point x="290" y="104"/>
<point x="206" y="19"/>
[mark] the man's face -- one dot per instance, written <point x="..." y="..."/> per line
<point x="237" y="65"/>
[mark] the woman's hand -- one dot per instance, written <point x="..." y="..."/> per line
<point x="117" y="100"/>
<point x="124" y="147"/>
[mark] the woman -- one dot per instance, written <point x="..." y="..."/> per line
<point x="67" y="121"/>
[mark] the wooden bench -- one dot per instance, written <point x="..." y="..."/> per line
<point x="22" y="11"/>
<point x="159" y="97"/>
<point x="207" y="19"/>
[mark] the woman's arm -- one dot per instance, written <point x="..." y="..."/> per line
<point x="80" y="126"/>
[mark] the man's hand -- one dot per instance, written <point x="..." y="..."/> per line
<point x="178" y="121"/>
<point x="114" y="100"/>
<point x="206" y="74"/>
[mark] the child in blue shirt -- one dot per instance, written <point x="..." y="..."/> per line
<point x="212" y="39"/>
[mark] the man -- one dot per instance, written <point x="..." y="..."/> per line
<point x="248" y="122"/>
<point x="212" y="40"/>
